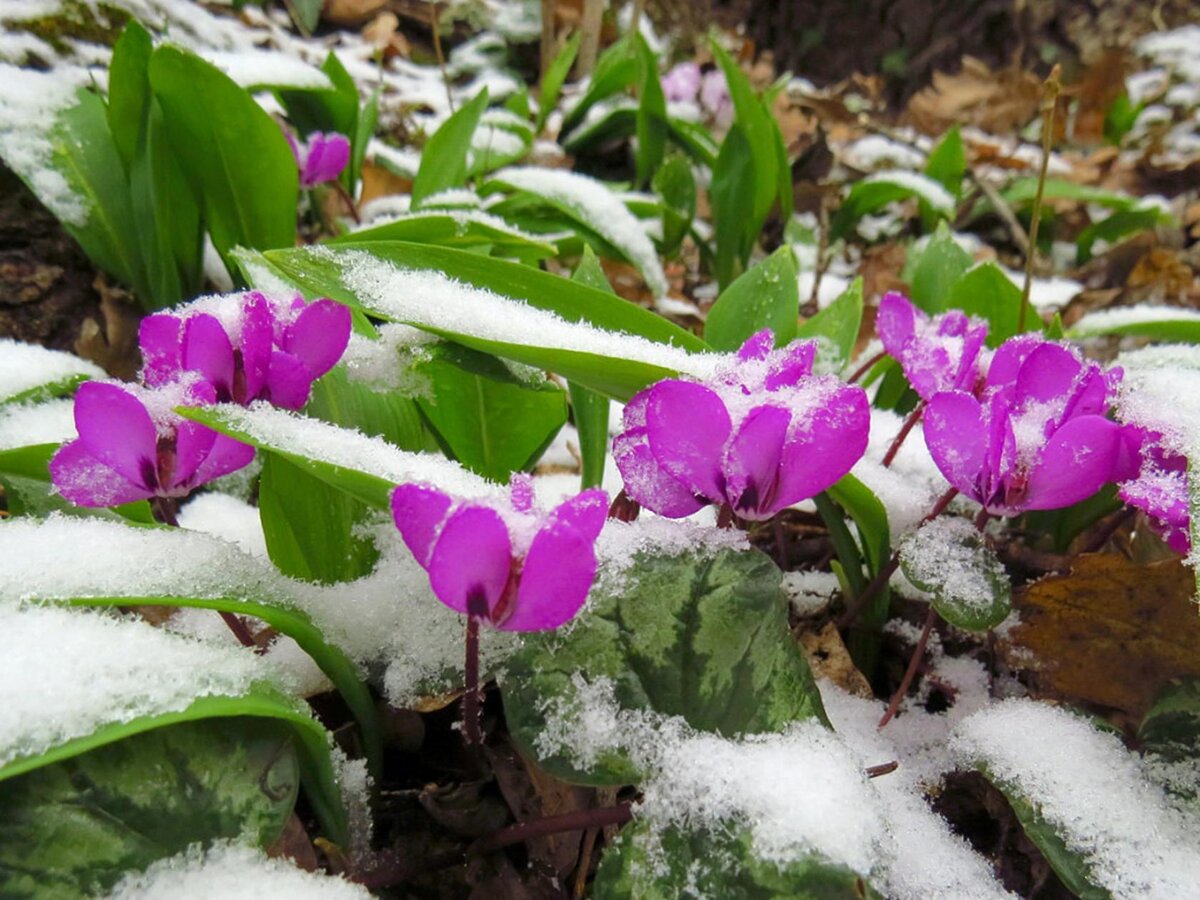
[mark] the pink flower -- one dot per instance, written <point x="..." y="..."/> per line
<point x="247" y="346"/>
<point x="714" y="97"/>
<point x="762" y="435"/>
<point x="506" y="564"/>
<point x="321" y="158"/>
<point x="1160" y="487"/>
<point x="681" y="84"/>
<point x="132" y="445"/>
<point x="940" y="354"/>
<point x="1036" y="438"/>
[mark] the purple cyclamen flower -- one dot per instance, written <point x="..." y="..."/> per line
<point x="132" y="445"/>
<point x="321" y="158"/>
<point x="247" y="346"/>
<point x="760" y="436"/>
<point x="1036" y="438"/>
<point x="942" y="353"/>
<point x="682" y="83"/>
<point x="509" y="565"/>
<point x="1160" y="487"/>
<point x="714" y="97"/>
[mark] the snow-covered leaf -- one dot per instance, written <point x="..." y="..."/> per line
<point x="949" y="559"/>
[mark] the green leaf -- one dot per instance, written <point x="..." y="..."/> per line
<point x="1120" y="118"/>
<point x="935" y="270"/>
<point x="1173" y="325"/>
<point x="28" y="491"/>
<point x="1064" y="525"/>
<point x="262" y="700"/>
<point x="985" y="291"/>
<point x="1024" y="190"/>
<point x="676" y="188"/>
<point x="947" y="162"/>
<point x="949" y="559"/>
<point x="705" y="638"/>
<point x="876" y="191"/>
<point x="1171" y="727"/>
<point x="589" y="409"/>
<point x="306" y="14"/>
<point x="484" y="416"/>
<point x="651" y="115"/>
<point x="616" y="69"/>
<point x="454" y="229"/>
<point x="1112" y="229"/>
<point x="386" y="414"/>
<point x="444" y="157"/>
<point x="766" y="296"/>
<point x="1067" y="865"/>
<point x="129" y="89"/>
<point x="673" y="862"/>
<point x="234" y="155"/>
<point x="80" y="824"/>
<point x="63" y="387"/>
<point x="556" y="74"/>
<point x="837" y="325"/>
<point x="312" y="529"/>
<point x="731" y="196"/>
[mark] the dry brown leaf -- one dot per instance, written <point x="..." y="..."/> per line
<point x="829" y="658"/>
<point x="380" y="182"/>
<point x="999" y="102"/>
<point x="1160" y="274"/>
<point x="112" y="345"/>
<point x="383" y="33"/>
<point x="880" y="269"/>
<point x="351" y="12"/>
<point x="1108" y="635"/>
<point x="1102" y="83"/>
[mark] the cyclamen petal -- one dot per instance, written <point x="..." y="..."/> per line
<point x="937" y="354"/>
<point x="85" y="481"/>
<point x="687" y="426"/>
<point x="1157" y="484"/>
<point x="319" y="335"/>
<point x="419" y="512"/>
<point x="117" y="430"/>
<point x="321" y="157"/>
<point x="472" y="558"/>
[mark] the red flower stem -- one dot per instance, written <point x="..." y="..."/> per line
<point x="910" y="673"/>
<point x="866" y="367"/>
<point x="341" y="191"/>
<point x="725" y="516"/>
<point x="164" y="509"/>
<point x="472" y="734"/>
<point x="579" y="820"/>
<point x="875" y="585"/>
<point x="898" y="440"/>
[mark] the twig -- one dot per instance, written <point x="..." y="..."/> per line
<point x="1050" y="91"/>
<point x="579" y="820"/>
<point x="823" y="259"/>
<point x="886" y="768"/>
<point x="898" y="440"/>
<point x="437" y="51"/>
<point x="1003" y="210"/>
<point x="910" y="673"/>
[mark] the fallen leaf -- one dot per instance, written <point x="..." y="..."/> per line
<point x="1108" y="636"/>
<point x="999" y="102"/>
<point x="380" y="182"/>
<point x="829" y="658"/>
<point x="351" y="12"/>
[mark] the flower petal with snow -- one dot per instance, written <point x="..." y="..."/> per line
<point x="1159" y="488"/>
<point x="760" y="435"/>
<point x="513" y="567"/>
<point x="942" y="353"/>
<point x="132" y="445"/>
<point x="247" y="346"/>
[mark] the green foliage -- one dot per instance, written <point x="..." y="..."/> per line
<point x="651" y="121"/>
<point x="676" y="189"/>
<point x="705" y="638"/>
<point x="616" y="69"/>
<point x="78" y="825"/>
<point x="837" y="326"/>
<point x="1121" y="117"/>
<point x="28" y="492"/>
<point x="589" y="409"/>
<point x="985" y="291"/>
<point x="444" y="158"/>
<point x="967" y="582"/>
<point x="448" y="229"/>
<point x="766" y="296"/>
<point x="556" y="74"/>
<point x="877" y="191"/>
<point x="673" y="862"/>
<point x="947" y="163"/>
<point x="938" y="266"/>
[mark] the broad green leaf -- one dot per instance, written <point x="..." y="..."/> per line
<point x="78" y="825"/>
<point x="234" y="155"/>
<point x="455" y="229"/>
<point x="1160" y="323"/>
<point x="876" y="191"/>
<point x="338" y="399"/>
<point x="444" y="157"/>
<point x="1064" y="525"/>
<point x="1171" y="728"/>
<point x="305" y="13"/>
<point x="556" y="74"/>
<point x="486" y="417"/>
<point x="947" y="163"/>
<point x="1120" y="118"/>
<point x="766" y="296"/>
<point x="334" y="109"/>
<point x="1067" y="865"/>
<point x="63" y="387"/>
<point x="616" y="69"/>
<point x="705" y="638"/>
<point x="870" y="517"/>
<point x="1024" y="190"/>
<point x="300" y="628"/>
<point x="590" y="410"/>
<point x="985" y="291"/>
<point x="651" y="115"/>
<point x="364" y="130"/>
<point x="312" y="529"/>
<point x="1119" y="225"/>
<point x="501" y="139"/>
<point x="949" y="559"/>
<point x="731" y="197"/>
<point x="263" y="700"/>
<point x="694" y="140"/>
<point x="675" y="862"/>
<point x="129" y="89"/>
<point x="935" y="270"/>
<point x="676" y="188"/>
<point x="837" y="325"/>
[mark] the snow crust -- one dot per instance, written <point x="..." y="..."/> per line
<point x="24" y="367"/>
<point x="26" y="424"/>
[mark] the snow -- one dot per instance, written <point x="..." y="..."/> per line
<point x="24" y="425"/>
<point x="1107" y="320"/>
<point x="932" y="192"/>
<point x="599" y="208"/>
<point x="232" y="872"/>
<point x="429" y="299"/>
<point x="939" y="552"/>
<point x="876" y="151"/>
<point x="65" y="673"/>
<point x="387" y="363"/>
<point x="24" y="367"/>
<point x="1176" y="50"/>
<point x="908" y="488"/>
<point x="227" y="517"/>
<point x="1161" y="391"/>
<point x="1092" y="791"/>
<point x="810" y="593"/>
<point x="261" y="68"/>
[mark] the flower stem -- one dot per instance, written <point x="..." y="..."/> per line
<point x="472" y="734"/>
<point x="898" y="440"/>
<point x="910" y="673"/>
<point x="866" y="367"/>
<point x="725" y="517"/>
<point x="579" y="820"/>
<point x="1050" y="91"/>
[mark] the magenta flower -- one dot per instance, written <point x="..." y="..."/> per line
<point x="1159" y="488"/>
<point x="321" y="158"/>
<point x="132" y="445"/>
<point x="247" y="346"/>
<point x="944" y="353"/>
<point x="682" y="83"/>
<point x="762" y="435"/>
<point x="508" y="565"/>
<point x="1036" y="438"/>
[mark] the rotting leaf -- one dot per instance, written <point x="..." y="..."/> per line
<point x="1109" y="634"/>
